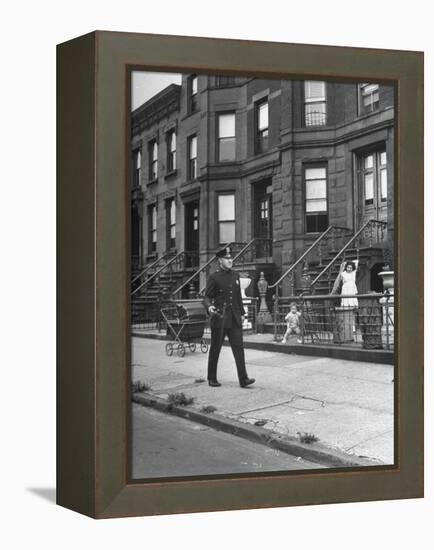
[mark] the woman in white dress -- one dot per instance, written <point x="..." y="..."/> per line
<point x="348" y="278"/>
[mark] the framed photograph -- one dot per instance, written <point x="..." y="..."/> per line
<point x="240" y="274"/>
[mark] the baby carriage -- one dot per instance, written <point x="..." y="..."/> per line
<point x="186" y="324"/>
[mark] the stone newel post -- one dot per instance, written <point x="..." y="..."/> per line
<point x="245" y="281"/>
<point x="264" y="315"/>
<point x="387" y="331"/>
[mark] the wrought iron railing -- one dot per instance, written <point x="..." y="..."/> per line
<point x="315" y="118"/>
<point x="170" y="271"/>
<point x="258" y="248"/>
<point x="372" y="232"/>
<point x="324" y="320"/>
<point x="146" y="271"/>
<point x="328" y="240"/>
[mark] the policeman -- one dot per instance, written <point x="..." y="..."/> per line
<point x="224" y="304"/>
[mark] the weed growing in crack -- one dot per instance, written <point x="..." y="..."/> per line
<point x="139" y="387"/>
<point x="208" y="409"/>
<point x="307" y="437"/>
<point x="179" y="398"/>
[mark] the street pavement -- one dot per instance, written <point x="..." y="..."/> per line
<point x="168" y="446"/>
<point x="347" y="405"/>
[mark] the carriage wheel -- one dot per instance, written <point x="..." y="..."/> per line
<point x="169" y="349"/>
<point x="203" y="346"/>
<point x="192" y="346"/>
<point x="181" y="350"/>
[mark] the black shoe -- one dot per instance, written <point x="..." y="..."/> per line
<point x="247" y="382"/>
<point x="214" y="383"/>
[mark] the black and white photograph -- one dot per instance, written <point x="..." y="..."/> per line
<point x="262" y="313"/>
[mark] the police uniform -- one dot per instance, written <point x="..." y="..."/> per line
<point x="224" y="293"/>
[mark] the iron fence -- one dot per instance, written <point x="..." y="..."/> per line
<point x="365" y="321"/>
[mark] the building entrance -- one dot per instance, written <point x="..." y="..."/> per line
<point x="372" y="187"/>
<point x="192" y="233"/>
<point x="263" y="218"/>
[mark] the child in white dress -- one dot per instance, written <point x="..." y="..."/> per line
<point x="348" y="278"/>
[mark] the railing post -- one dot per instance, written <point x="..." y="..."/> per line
<point x="276" y="311"/>
<point x="387" y="322"/>
<point x="303" y="320"/>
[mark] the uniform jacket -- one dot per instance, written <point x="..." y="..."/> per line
<point x="223" y="287"/>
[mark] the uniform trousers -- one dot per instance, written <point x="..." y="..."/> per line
<point x="235" y="336"/>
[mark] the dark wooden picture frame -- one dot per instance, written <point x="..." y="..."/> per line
<point x="93" y="267"/>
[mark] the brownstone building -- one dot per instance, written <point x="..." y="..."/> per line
<point x="268" y="165"/>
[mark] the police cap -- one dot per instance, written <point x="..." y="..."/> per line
<point x="224" y="253"/>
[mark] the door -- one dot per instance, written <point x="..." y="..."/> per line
<point x="192" y="233"/>
<point x="372" y="187"/>
<point x="263" y="219"/>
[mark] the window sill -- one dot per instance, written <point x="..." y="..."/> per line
<point x="226" y="162"/>
<point x="189" y="182"/>
<point x="314" y="126"/>
<point x="170" y="174"/>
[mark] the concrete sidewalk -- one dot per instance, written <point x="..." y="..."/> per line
<point x="347" y="405"/>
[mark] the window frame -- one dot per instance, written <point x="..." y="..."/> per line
<point x="152" y="231"/>
<point x="153" y="162"/>
<point x="171" y="154"/>
<point x="192" y="166"/>
<point x="313" y="101"/>
<point x="262" y="140"/>
<point x="170" y="241"/>
<point x="374" y="106"/>
<point x="137" y="170"/>
<point x="219" y="139"/>
<point x="193" y="97"/>
<point x="220" y="222"/>
<point x="376" y="170"/>
<point x="318" y="213"/>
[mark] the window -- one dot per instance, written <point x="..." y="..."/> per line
<point x="383" y="176"/>
<point x="153" y="160"/>
<point x="226" y="218"/>
<point x="226" y="137"/>
<point x="192" y="94"/>
<point x="369" y="99"/>
<point x="314" y="103"/>
<point x="171" y="151"/>
<point x="152" y="224"/>
<point x="261" y="126"/>
<point x="171" y="223"/>
<point x="137" y="167"/>
<point x="368" y="179"/>
<point x="221" y="81"/>
<point x="192" y="158"/>
<point x="374" y="177"/>
<point x="316" y="199"/>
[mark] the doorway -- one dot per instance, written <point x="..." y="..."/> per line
<point x="192" y="233"/>
<point x="372" y="186"/>
<point x="263" y="218"/>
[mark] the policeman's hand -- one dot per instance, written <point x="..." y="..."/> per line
<point x="211" y="310"/>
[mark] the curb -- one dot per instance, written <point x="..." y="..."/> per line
<point x="335" y="352"/>
<point x="312" y="452"/>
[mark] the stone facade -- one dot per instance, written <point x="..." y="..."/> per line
<point x="340" y="139"/>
